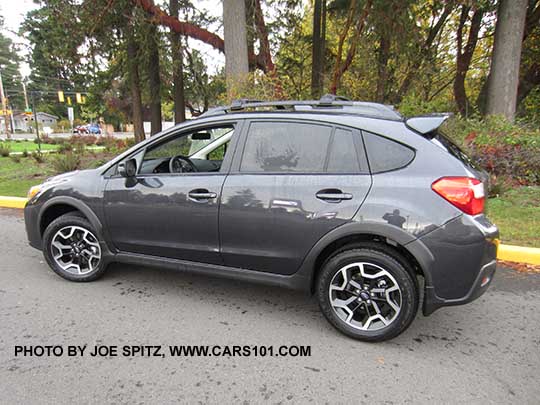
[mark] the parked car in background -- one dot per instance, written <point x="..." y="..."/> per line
<point x="373" y="213"/>
<point x="93" y="129"/>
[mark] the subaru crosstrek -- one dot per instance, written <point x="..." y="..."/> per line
<point x="347" y="200"/>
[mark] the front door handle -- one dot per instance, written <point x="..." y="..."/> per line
<point x="201" y="194"/>
<point x="333" y="195"/>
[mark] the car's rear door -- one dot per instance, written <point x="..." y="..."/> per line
<point x="290" y="183"/>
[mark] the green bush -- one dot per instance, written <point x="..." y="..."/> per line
<point x="5" y="149"/>
<point x="509" y="152"/>
<point x="67" y="162"/>
<point x="413" y="105"/>
<point x="130" y="142"/>
<point x="65" y="147"/>
<point x="38" y="157"/>
<point x="87" y="140"/>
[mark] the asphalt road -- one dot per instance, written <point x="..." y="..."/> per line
<point x="485" y="352"/>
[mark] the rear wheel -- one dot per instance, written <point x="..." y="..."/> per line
<point x="72" y="249"/>
<point x="367" y="293"/>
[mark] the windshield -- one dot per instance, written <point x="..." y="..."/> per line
<point x="215" y="133"/>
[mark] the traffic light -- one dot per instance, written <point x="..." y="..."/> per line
<point x="60" y="96"/>
<point x="78" y="98"/>
<point x="69" y="100"/>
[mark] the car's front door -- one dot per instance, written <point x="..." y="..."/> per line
<point x="170" y="209"/>
<point x="292" y="183"/>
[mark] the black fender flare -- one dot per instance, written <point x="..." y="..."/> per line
<point x="85" y="210"/>
<point x="409" y="242"/>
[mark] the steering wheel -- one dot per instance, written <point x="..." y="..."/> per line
<point x="181" y="164"/>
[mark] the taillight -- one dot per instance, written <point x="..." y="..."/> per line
<point x="465" y="193"/>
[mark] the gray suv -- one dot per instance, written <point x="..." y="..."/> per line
<point x="346" y="200"/>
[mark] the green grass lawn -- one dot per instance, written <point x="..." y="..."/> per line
<point x="30" y="146"/>
<point x="17" y="178"/>
<point x="517" y="214"/>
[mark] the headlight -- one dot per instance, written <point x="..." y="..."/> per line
<point x="34" y="190"/>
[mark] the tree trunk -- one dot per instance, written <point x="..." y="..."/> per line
<point x="340" y="68"/>
<point x="317" y="55"/>
<point x="503" y="79"/>
<point x="426" y="53"/>
<point x="264" y="56"/>
<point x="154" y="81"/>
<point x="382" y="62"/>
<point x="191" y="30"/>
<point x="135" y="85"/>
<point x="464" y="56"/>
<point x="529" y="81"/>
<point x="236" y="52"/>
<point x="178" y="70"/>
<point x="251" y="32"/>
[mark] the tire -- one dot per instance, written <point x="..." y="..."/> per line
<point x="347" y="284"/>
<point x="82" y="249"/>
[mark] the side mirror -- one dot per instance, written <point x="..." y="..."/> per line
<point x="127" y="168"/>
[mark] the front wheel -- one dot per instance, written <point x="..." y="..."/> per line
<point x="367" y="294"/>
<point x="72" y="249"/>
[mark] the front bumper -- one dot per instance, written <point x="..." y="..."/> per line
<point x="31" y="221"/>
<point x="463" y="261"/>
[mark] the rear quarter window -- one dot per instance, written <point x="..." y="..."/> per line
<point x="385" y="155"/>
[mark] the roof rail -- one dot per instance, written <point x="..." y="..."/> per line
<point x="328" y="103"/>
<point x="330" y="98"/>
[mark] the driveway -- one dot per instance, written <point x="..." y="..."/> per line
<point x="484" y="352"/>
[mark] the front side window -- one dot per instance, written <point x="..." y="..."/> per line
<point x="286" y="147"/>
<point x="180" y="154"/>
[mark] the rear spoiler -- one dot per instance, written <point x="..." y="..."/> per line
<point x="425" y="124"/>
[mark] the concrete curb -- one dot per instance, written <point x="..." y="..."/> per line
<point x="518" y="254"/>
<point x="509" y="253"/>
<point x="12" y="202"/>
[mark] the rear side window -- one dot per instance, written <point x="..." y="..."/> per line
<point x="286" y="147"/>
<point x="385" y="155"/>
<point x="342" y="156"/>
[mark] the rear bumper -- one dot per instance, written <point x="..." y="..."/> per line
<point x="462" y="262"/>
<point x="432" y="302"/>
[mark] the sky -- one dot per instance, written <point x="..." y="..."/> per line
<point x="14" y="11"/>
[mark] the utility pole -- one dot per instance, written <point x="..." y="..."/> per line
<point x="34" y="112"/>
<point x="4" y="107"/>
<point x="25" y="96"/>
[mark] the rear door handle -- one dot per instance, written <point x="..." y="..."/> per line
<point x="333" y="195"/>
<point x="201" y="194"/>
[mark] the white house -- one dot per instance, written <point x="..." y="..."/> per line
<point x="21" y="121"/>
